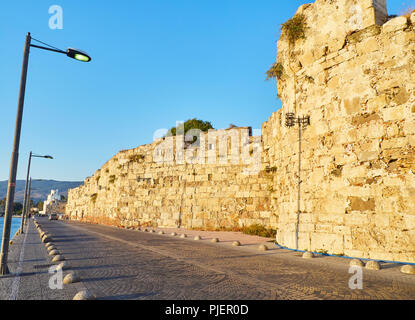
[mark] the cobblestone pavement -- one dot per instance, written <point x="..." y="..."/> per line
<point x="126" y="264"/>
<point x="29" y="271"/>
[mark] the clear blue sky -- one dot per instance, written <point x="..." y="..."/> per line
<point x="154" y="62"/>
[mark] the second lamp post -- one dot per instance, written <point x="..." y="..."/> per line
<point x="26" y="200"/>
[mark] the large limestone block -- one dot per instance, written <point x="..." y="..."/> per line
<point x="395" y="113"/>
<point x="395" y="24"/>
<point x="325" y="241"/>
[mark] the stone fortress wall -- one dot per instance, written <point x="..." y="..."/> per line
<point x="164" y="184"/>
<point x="353" y="74"/>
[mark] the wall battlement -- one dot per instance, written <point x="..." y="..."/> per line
<point x="353" y="75"/>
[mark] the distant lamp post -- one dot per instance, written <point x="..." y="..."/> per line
<point x="71" y="53"/>
<point x="26" y="198"/>
<point x="302" y="122"/>
<point x="28" y="206"/>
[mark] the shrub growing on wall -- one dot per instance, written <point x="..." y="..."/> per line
<point x="276" y="71"/>
<point x="194" y="123"/>
<point x="295" y="28"/>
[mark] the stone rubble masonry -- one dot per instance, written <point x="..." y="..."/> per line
<point x="136" y="188"/>
<point x="55" y="207"/>
<point x="354" y="76"/>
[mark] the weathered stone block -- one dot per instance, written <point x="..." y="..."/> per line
<point x="395" y="113"/>
<point x="395" y="24"/>
<point x="324" y="241"/>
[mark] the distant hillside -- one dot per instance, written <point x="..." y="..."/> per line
<point x="40" y="188"/>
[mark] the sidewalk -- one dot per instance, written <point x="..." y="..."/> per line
<point x="29" y="264"/>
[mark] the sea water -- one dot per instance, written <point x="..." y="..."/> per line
<point x="14" y="227"/>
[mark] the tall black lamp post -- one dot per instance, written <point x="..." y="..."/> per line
<point x="290" y="121"/>
<point x="71" y="53"/>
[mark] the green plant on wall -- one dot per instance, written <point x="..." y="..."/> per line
<point x="136" y="158"/>
<point x="276" y="71"/>
<point x="322" y="251"/>
<point x="259" y="230"/>
<point x="94" y="198"/>
<point x="295" y="28"/>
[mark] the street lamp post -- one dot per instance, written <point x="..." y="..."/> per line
<point x="26" y="199"/>
<point x="302" y="122"/>
<point x="71" y="53"/>
<point x="28" y="206"/>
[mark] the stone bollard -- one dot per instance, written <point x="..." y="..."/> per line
<point x="63" y="265"/>
<point x="408" y="269"/>
<point x="174" y="234"/>
<point x="54" y="253"/>
<point x="152" y="231"/>
<point x="145" y="230"/>
<point x="373" y="265"/>
<point x="308" y="255"/>
<point x="356" y="263"/>
<point x="71" y="278"/>
<point x="84" y="295"/>
<point x="58" y="258"/>
<point x="161" y="232"/>
<point x="214" y="240"/>
<point x="50" y="248"/>
<point x="197" y="238"/>
<point x="236" y="244"/>
<point x="263" y="247"/>
<point x="183" y="236"/>
<point x="49" y="244"/>
<point x="46" y="239"/>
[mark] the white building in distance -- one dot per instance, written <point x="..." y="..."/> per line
<point x="54" y="198"/>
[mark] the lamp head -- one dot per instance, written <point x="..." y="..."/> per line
<point x="78" y="55"/>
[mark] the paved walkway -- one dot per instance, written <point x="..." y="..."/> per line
<point x="29" y="265"/>
<point x="116" y="263"/>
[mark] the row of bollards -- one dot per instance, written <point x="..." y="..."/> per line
<point x="261" y="247"/>
<point x="57" y="257"/>
<point x="370" y="265"/>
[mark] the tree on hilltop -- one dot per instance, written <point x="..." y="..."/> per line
<point x="194" y="123"/>
<point x="190" y="124"/>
